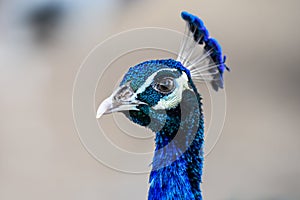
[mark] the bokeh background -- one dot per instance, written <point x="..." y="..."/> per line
<point x="43" y="43"/>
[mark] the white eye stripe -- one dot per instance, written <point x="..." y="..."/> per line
<point x="150" y="79"/>
<point x="173" y="99"/>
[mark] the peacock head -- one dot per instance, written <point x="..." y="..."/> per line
<point x="150" y="91"/>
<point x="156" y="90"/>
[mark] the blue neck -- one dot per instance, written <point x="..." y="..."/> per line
<point x="178" y="158"/>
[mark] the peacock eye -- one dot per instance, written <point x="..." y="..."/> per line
<point x="165" y="85"/>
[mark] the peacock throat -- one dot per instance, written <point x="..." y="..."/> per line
<point x="178" y="158"/>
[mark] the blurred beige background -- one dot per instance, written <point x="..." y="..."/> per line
<point x="41" y="49"/>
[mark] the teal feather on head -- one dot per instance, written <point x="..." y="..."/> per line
<point x="161" y="95"/>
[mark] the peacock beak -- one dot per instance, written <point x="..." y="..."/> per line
<point x="123" y="99"/>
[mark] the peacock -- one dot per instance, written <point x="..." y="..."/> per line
<point x="162" y="96"/>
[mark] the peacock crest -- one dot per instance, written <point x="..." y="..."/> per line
<point x="209" y="63"/>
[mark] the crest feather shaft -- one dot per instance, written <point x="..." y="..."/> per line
<point x="201" y="54"/>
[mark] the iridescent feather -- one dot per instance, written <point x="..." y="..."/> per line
<point x="209" y="63"/>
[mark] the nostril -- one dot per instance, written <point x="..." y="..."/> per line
<point x="124" y="94"/>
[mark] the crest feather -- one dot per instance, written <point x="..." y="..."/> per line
<point x="208" y="64"/>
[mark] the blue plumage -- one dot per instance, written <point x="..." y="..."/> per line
<point x="161" y="95"/>
<point x="201" y="36"/>
<point x="196" y="26"/>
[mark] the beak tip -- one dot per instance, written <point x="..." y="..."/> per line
<point x="98" y="116"/>
<point x="103" y="108"/>
<point x="100" y="112"/>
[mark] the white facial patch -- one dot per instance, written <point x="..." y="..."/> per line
<point x="150" y="79"/>
<point x="173" y="99"/>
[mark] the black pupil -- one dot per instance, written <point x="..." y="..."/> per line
<point x="165" y="85"/>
